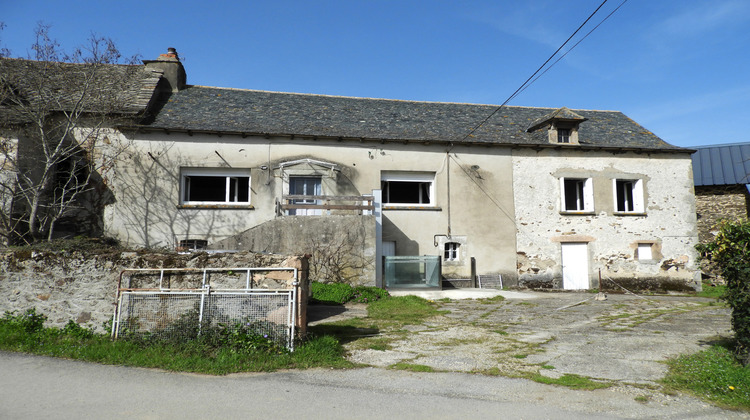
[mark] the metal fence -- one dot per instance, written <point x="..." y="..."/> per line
<point x="203" y="301"/>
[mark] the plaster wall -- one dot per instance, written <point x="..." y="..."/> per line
<point x="146" y="182"/>
<point x="668" y="223"/>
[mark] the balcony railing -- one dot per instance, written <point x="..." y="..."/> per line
<point x="317" y="205"/>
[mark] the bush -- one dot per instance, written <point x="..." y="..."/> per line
<point x="340" y="293"/>
<point x="331" y="293"/>
<point x="730" y="250"/>
<point x="29" y="321"/>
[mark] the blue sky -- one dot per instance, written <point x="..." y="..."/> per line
<point x="677" y="67"/>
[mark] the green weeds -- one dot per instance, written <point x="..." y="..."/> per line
<point x="340" y="293"/>
<point x="571" y="381"/>
<point x="233" y="351"/>
<point x="714" y="375"/>
<point x="412" y="367"/>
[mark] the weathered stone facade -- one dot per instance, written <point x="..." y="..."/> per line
<point x="82" y="287"/>
<point x="714" y="203"/>
<point x="665" y="225"/>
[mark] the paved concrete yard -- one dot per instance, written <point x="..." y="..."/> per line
<point x="624" y="338"/>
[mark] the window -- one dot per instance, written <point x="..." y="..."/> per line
<point x="628" y="195"/>
<point x="563" y="135"/>
<point x="407" y="188"/>
<point x="305" y="185"/>
<point x="193" y="244"/>
<point x="215" y="186"/>
<point x="644" y="252"/>
<point x="450" y="252"/>
<point x="577" y="195"/>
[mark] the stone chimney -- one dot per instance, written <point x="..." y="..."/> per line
<point x="170" y="65"/>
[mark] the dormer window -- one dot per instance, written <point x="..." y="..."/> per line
<point x="561" y="124"/>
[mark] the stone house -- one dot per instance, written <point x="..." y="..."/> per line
<point x="544" y="197"/>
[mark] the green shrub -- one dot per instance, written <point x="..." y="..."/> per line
<point x="730" y="249"/>
<point x="29" y="321"/>
<point x="340" y="293"/>
<point x="75" y="330"/>
<point x="331" y="293"/>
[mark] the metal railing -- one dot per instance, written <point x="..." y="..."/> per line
<point x="185" y="302"/>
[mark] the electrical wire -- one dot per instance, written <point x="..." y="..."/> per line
<point x="574" y="45"/>
<point x="527" y="82"/>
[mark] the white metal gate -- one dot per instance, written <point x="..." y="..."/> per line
<point x="184" y="302"/>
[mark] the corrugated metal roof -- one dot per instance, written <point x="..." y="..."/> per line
<point x="724" y="164"/>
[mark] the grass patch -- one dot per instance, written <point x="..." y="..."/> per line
<point x="714" y="375"/>
<point x="492" y="300"/>
<point x="710" y="291"/>
<point x="340" y="293"/>
<point x="642" y="399"/>
<point x="403" y="309"/>
<point x="571" y="381"/>
<point x="412" y="367"/>
<point x="26" y="333"/>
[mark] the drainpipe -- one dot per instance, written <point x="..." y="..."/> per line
<point x="448" y="156"/>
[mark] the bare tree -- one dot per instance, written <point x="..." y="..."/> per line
<point x="58" y="117"/>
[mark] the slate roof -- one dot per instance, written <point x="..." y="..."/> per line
<point x="253" y="112"/>
<point x="724" y="164"/>
<point x="50" y="86"/>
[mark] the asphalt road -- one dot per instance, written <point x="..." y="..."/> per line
<point x="34" y="387"/>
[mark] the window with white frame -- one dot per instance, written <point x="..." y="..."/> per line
<point x="451" y="251"/>
<point x="215" y="186"/>
<point x="408" y="188"/>
<point x="628" y="195"/>
<point x="577" y="194"/>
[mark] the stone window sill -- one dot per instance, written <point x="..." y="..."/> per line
<point x="577" y="213"/>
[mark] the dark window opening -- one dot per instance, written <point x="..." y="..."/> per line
<point x="406" y="192"/>
<point x="563" y="135"/>
<point x="574" y="194"/>
<point x="217" y="189"/>
<point x="193" y="244"/>
<point x="625" y="190"/>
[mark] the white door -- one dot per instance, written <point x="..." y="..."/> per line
<point x="575" y="265"/>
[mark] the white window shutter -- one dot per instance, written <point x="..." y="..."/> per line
<point x="562" y="194"/>
<point x="588" y="195"/>
<point x="638" y="204"/>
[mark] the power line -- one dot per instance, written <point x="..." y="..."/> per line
<point x="524" y="84"/>
<point x="574" y="45"/>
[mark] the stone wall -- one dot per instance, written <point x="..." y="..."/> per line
<point x="82" y="287"/>
<point x="713" y="203"/>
